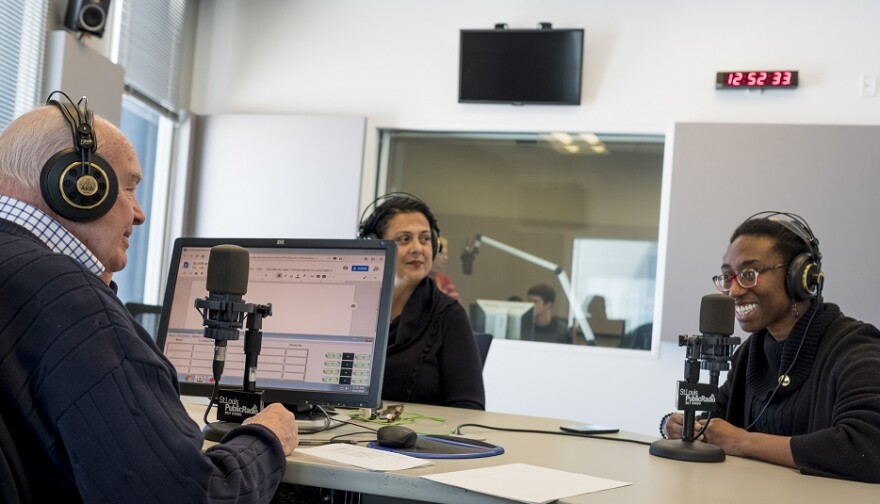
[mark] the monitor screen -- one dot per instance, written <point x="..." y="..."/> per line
<point x="325" y="341"/>
<point x="521" y="66"/>
<point x="504" y="319"/>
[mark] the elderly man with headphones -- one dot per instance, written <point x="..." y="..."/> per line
<point x="93" y="407"/>
<point x="804" y="389"/>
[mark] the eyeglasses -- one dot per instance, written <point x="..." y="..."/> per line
<point x="746" y="278"/>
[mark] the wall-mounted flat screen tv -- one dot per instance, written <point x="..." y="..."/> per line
<point x="521" y="66"/>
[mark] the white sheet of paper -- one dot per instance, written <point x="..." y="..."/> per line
<point x="361" y="456"/>
<point x="525" y="483"/>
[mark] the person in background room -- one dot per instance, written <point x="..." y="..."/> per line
<point x="548" y="327"/>
<point x="803" y="390"/>
<point x="432" y="355"/>
<point x="93" y="407"/>
<point x="442" y="280"/>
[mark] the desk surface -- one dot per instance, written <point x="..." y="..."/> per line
<point x="653" y="479"/>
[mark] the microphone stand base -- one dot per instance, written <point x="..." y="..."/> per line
<point x="688" y="451"/>
<point x="215" y="431"/>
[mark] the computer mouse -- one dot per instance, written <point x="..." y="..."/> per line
<point x="396" y="436"/>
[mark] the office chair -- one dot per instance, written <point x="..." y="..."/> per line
<point x="608" y="332"/>
<point x="14" y="487"/>
<point x="146" y="315"/>
<point x="639" y="338"/>
<point x="484" y="341"/>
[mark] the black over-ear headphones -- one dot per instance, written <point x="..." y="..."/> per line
<point x="77" y="183"/>
<point x="804" y="278"/>
<point x="391" y="204"/>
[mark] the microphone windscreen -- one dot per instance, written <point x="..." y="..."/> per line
<point x="467" y="262"/>
<point x="716" y="314"/>
<point x="228" y="267"/>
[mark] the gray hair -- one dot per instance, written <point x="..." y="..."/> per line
<point x="34" y="137"/>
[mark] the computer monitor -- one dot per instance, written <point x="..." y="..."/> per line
<point x="504" y="319"/>
<point x="325" y="342"/>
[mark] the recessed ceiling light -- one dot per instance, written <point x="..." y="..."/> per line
<point x="590" y="138"/>
<point x="562" y="137"/>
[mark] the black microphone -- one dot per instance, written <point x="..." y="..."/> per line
<point x="469" y="254"/>
<point x="223" y="310"/>
<point x="467" y="261"/>
<point x="716" y="326"/>
<point x="716" y="314"/>
<point x="710" y="350"/>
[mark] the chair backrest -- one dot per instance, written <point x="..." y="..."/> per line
<point x="484" y="341"/>
<point x="14" y="487"/>
<point x="639" y="338"/>
<point x="146" y="315"/>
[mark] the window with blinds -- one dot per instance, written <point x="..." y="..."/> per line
<point x="22" y="44"/>
<point x="151" y="48"/>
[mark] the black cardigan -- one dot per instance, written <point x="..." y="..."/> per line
<point x="836" y="430"/>
<point x="432" y="357"/>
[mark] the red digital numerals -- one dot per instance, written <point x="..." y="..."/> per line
<point x="759" y="79"/>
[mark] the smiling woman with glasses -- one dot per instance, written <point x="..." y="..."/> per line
<point x="746" y="278"/>
<point x="803" y="390"/>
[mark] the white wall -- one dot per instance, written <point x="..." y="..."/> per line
<point x="825" y="174"/>
<point x="648" y="64"/>
<point x="277" y="176"/>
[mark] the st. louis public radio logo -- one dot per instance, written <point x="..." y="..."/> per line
<point x="694" y="398"/>
<point x="232" y="407"/>
<point x="697" y="396"/>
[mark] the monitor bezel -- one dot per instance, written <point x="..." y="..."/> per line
<point x="293" y="397"/>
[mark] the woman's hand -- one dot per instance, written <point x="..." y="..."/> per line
<point x="674" y="426"/>
<point x="742" y="443"/>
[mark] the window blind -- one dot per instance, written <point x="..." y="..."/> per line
<point x="22" y="44"/>
<point x="151" y="48"/>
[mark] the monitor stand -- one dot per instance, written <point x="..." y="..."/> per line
<point x="311" y="419"/>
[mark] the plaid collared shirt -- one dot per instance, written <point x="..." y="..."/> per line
<point x="49" y="231"/>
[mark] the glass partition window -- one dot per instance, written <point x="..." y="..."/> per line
<point x="151" y="134"/>
<point x="614" y="280"/>
<point x="587" y="203"/>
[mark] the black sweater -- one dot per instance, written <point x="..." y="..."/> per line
<point x="94" y="407"/>
<point x="834" y="395"/>
<point x="432" y="357"/>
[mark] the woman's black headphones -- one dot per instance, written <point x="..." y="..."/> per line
<point x="77" y="183"/>
<point x="387" y="206"/>
<point x="804" y="278"/>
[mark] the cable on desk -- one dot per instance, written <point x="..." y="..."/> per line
<point x="533" y="431"/>
<point x="357" y="425"/>
<point x="327" y="419"/>
<point x="405" y="418"/>
<point x="211" y="401"/>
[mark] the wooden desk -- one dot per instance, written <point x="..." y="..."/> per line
<point x="655" y="479"/>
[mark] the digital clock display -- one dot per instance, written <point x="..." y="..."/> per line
<point x="757" y="79"/>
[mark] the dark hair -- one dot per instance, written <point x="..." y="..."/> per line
<point x="543" y="291"/>
<point x="785" y="241"/>
<point x="376" y="224"/>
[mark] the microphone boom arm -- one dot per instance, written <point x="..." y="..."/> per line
<point x="555" y="268"/>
